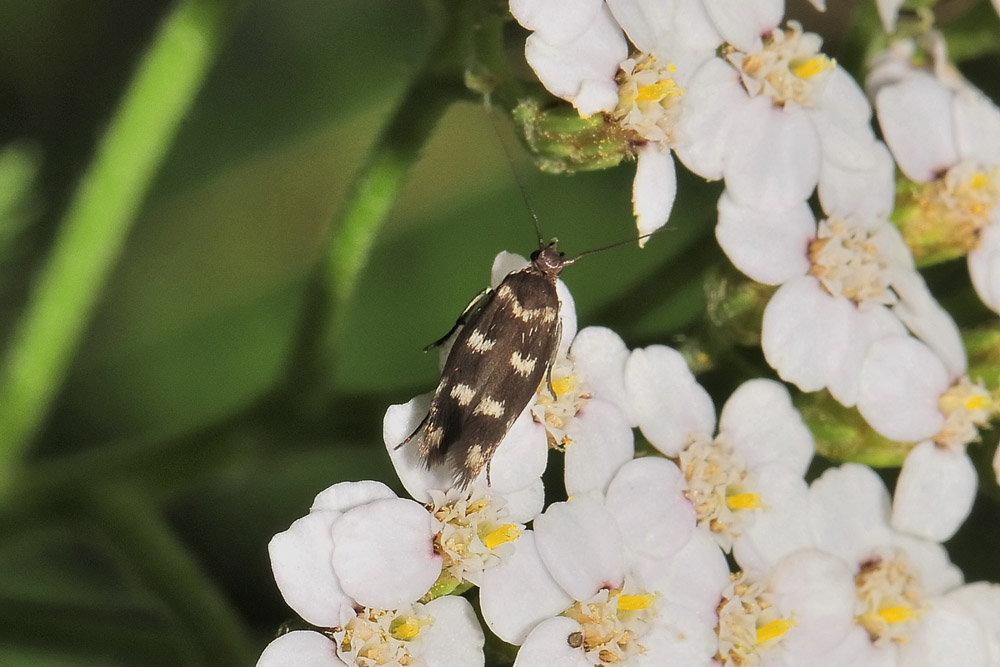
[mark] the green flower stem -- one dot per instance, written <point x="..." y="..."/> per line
<point x="99" y="216"/>
<point x="373" y="193"/>
<point x="165" y="565"/>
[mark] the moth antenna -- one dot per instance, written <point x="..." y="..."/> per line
<point x="517" y="175"/>
<point x="607" y="247"/>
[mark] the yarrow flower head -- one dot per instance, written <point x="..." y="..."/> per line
<point x="619" y="580"/>
<point x="945" y="135"/>
<point x="773" y="116"/>
<point x="910" y="607"/>
<point x="355" y="567"/>
<point x="907" y="394"/>
<point x="741" y="480"/>
<point x="580" y="53"/>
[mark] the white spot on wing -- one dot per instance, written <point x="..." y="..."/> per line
<point x="479" y="343"/>
<point x="522" y="365"/>
<point x="489" y="407"/>
<point x="463" y="393"/>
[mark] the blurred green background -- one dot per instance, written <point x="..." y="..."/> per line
<point x="183" y="438"/>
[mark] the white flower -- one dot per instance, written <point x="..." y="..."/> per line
<point x="442" y="633"/>
<point x="356" y="565"/>
<point x="845" y="281"/>
<point x="586" y="418"/>
<point x="944" y="132"/>
<point x="579" y="52"/>
<point x="910" y="608"/>
<point x="793" y="613"/>
<point x="773" y="115"/>
<point x="746" y="481"/>
<point x="907" y="394"/>
<point x="625" y="581"/>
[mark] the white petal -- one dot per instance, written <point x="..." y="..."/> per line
<point x="693" y="579"/>
<point x="841" y="97"/>
<point x="647" y="500"/>
<point x="743" y="22"/>
<point x="519" y="593"/>
<point x="547" y="645"/>
<point x="520" y="458"/>
<point x="557" y="20"/>
<point x="654" y="188"/>
<point x="948" y="634"/>
<point x="525" y="504"/>
<point x="844" y="143"/>
<point x="599" y="355"/>
<point x="982" y="599"/>
<point x="849" y="512"/>
<point x="769" y="246"/>
<point x="683" y="639"/>
<point x="935" y="492"/>
<point x="931" y="564"/>
<point x="667" y="402"/>
<point x="713" y="99"/>
<point x="916" y="120"/>
<point x="901" y="383"/>
<point x="397" y="425"/>
<point x="346" y="495"/>
<point x="383" y="553"/>
<point x="581" y="546"/>
<point x="928" y="321"/>
<point x="601" y="441"/>
<point x="504" y="264"/>
<point x="300" y="560"/>
<point x="775" y="156"/>
<point x="977" y="126"/>
<point x="888" y="11"/>
<point x="302" y="648"/>
<point x="679" y="32"/>
<point x="567" y="318"/>
<point x="819" y="590"/>
<point x="782" y="526"/>
<point x="589" y="60"/>
<point x="866" y="193"/>
<point x="984" y="266"/>
<point x="454" y="639"/>
<point x="761" y="424"/>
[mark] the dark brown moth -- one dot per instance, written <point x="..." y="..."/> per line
<point x="496" y="363"/>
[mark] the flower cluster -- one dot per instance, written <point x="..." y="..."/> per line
<point x="685" y="535"/>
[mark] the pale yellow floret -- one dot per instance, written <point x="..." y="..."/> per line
<point x="774" y="629"/>
<point x="502" y="535"/>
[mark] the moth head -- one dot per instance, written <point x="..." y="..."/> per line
<point x="548" y="260"/>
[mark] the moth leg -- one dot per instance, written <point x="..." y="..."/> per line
<point x="477" y="301"/>
<point x="423" y="422"/>
<point x="552" y="360"/>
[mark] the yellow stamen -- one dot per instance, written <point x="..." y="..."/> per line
<point x="659" y="90"/>
<point x="505" y="533"/>
<point x="897" y="614"/>
<point x="813" y="66"/>
<point x="979" y="180"/>
<point x="977" y="402"/>
<point x="635" y="602"/>
<point x="744" y="501"/>
<point x="563" y="385"/>
<point x="774" y="629"/>
<point x="405" y="628"/>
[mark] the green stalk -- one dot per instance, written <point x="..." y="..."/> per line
<point x="166" y="566"/>
<point x="99" y="216"/>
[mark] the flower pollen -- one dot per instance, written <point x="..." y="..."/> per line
<point x="787" y="68"/>
<point x="556" y="413"/>
<point x="847" y="261"/>
<point x="967" y="406"/>
<point x="612" y="623"/>
<point x="647" y="98"/>
<point x="718" y="487"/>
<point x="890" y="599"/>
<point x="749" y="623"/>
<point x="474" y="533"/>
<point x="380" y="636"/>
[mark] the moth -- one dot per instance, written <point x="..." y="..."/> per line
<point x="507" y="344"/>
